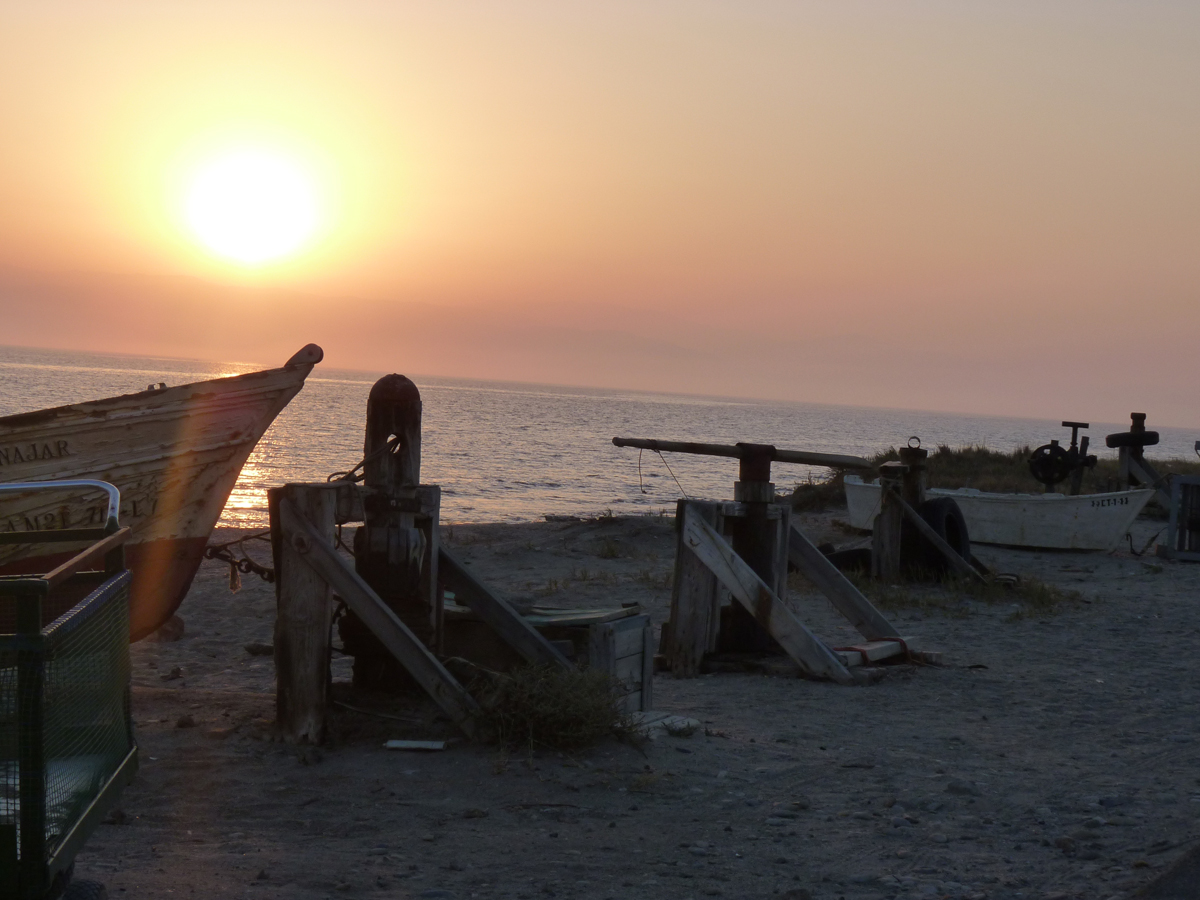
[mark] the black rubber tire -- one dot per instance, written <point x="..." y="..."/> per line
<point x="85" y="890"/>
<point x="1129" y="439"/>
<point x="946" y="519"/>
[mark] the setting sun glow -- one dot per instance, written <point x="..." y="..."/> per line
<point x="252" y="206"/>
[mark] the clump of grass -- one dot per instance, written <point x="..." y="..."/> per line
<point x="540" y="707"/>
<point x="952" y="596"/>
<point x="818" y="494"/>
<point x="609" y="549"/>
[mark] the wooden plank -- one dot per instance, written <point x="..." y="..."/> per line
<point x="383" y="623"/>
<point x="873" y="651"/>
<point x="303" y="617"/>
<point x="647" y="698"/>
<point x="845" y="597"/>
<point x="600" y="648"/>
<point x="628" y="641"/>
<point x="628" y="669"/>
<point x="752" y="592"/>
<point x="515" y="630"/>
<point x="695" y="599"/>
<point x="544" y="615"/>
<point x="957" y="563"/>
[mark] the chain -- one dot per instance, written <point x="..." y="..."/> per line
<point x="244" y="564"/>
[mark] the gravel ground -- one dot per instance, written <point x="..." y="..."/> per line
<point x="1055" y="755"/>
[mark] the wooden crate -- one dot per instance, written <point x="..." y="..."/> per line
<point x="625" y="649"/>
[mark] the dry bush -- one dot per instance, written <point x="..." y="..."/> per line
<point x="818" y="494"/>
<point x="542" y="707"/>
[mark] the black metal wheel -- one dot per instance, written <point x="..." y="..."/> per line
<point x="1050" y="464"/>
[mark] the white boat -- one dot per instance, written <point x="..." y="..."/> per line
<point x="1051" y="521"/>
<point x="173" y="452"/>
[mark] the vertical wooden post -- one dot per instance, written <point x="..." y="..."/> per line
<point x="391" y="553"/>
<point x="913" y="479"/>
<point x="695" y="599"/>
<point x="755" y="539"/>
<point x="886" y="538"/>
<point x="304" y="616"/>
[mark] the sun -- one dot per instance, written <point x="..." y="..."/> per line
<point x="252" y="206"/>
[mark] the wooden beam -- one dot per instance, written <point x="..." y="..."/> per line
<point x="957" y="563"/>
<point x="304" y="613"/>
<point x="754" y="594"/>
<point x="72" y="566"/>
<point x="1144" y="473"/>
<point x="695" y="599"/>
<point x="845" y="597"/>
<point x="498" y="613"/>
<point x="383" y="623"/>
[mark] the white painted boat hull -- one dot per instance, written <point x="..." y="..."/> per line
<point x="174" y="453"/>
<point x="1051" y="521"/>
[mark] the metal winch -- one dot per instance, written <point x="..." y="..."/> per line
<point x="1051" y="463"/>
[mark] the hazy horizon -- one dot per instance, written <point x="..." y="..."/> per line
<point x="324" y="372"/>
<point x="958" y="207"/>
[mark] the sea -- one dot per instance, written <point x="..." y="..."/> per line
<point x="513" y="452"/>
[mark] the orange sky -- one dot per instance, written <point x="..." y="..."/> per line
<point x="988" y="207"/>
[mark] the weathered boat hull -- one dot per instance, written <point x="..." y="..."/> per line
<point x="1051" y="521"/>
<point x="174" y="453"/>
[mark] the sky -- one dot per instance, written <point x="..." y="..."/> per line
<point x="962" y="206"/>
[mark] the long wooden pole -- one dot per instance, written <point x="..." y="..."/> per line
<point x="733" y="451"/>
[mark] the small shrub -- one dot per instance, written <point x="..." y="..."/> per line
<point x="541" y="707"/>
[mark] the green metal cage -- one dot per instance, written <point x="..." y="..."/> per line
<point x="66" y="737"/>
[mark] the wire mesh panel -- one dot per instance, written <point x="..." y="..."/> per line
<point x="64" y="721"/>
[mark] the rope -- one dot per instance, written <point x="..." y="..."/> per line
<point x="677" y="484"/>
<point x="1129" y="537"/>
<point x="354" y="475"/>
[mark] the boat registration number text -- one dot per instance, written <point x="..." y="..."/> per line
<point x="1111" y="501"/>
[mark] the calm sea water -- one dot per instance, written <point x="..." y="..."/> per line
<point x="506" y="452"/>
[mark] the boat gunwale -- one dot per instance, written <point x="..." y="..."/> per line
<point x="88" y="408"/>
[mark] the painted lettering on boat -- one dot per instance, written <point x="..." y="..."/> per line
<point x="21" y="453"/>
<point x="1111" y="501"/>
<point x="87" y="517"/>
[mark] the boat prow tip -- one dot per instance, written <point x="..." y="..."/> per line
<point x="308" y="355"/>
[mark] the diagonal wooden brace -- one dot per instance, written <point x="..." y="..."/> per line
<point x="752" y="592"/>
<point x="957" y="563"/>
<point x="845" y="597"/>
<point x="384" y="624"/>
<point x="496" y="612"/>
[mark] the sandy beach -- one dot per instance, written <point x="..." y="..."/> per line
<point x="1053" y="756"/>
